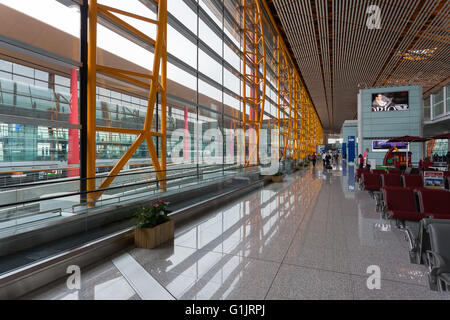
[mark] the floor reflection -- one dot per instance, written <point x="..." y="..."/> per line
<point x="238" y="249"/>
<point x="99" y="282"/>
<point x="311" y="237"/>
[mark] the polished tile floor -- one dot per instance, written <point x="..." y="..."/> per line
<point x="311" y="237"/>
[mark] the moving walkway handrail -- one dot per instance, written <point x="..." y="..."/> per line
<point x="34" y="184"/>
<point x="108" y="189"/>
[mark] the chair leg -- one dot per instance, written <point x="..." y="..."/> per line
<point x="413" y="256"/>
<point x="442" y="286"/>
<point x="432" y="283"/>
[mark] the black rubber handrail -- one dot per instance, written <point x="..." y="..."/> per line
<point x="105" y="189"/>
<point x="34" y="184"/>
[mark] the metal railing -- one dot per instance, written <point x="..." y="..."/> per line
<point x="26" y="211"/>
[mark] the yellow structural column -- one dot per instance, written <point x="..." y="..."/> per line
<point x="154" y="85"/>
<point x="253" y="59"/>
<point x="163" y="91"/>
<point x="278" y="93"/>
<point x="92" y="101"/>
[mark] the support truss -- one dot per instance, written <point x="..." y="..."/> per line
<point x="254" y="79"/>
<point x="285" y="114"/>
<point x="155" y="82"/>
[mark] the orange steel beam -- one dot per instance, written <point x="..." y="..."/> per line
<point x="297" y="119"/>
<point x="284" y="103"/>
<point x="92" y="101"/>
<point x="254" y="60"/>
<point x="156" y="82"/>
<point x="294" y="117"/>
<point x="281" y="41"/>
<point x="308" y="113"/>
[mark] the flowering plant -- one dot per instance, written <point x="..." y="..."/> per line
<point x="152" y="215"/>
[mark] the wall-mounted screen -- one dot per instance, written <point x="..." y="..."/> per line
<point x="390" y="101"/>
<point x="384" y="146"/>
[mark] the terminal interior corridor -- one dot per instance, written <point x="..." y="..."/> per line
<point x="311" y="237"/>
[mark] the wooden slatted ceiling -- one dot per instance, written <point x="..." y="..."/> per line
<point x="336" y="52"/>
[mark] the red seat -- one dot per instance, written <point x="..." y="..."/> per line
<point x="359" y="172"/>
<point x="412" y="181"/>
<point x="434" y="203"/>
<point x="391" y="180"/>
<point x="371" y="182"/>
<point x="394" y="171"/>
<point x="378" y="171"/>
<point x="439" y="216"/>
<point x="401" y="204"/>
<point x="407" y="215"/>
<point x="447" y="179"/>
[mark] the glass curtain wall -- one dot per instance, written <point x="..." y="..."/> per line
<point x="438" y="103"/>
<point x="205" y="83"/>
<point x="39" y="126"/>
<point x="204" y="99"/>
<point x="40" y="106"/>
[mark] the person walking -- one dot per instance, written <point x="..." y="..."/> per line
<point x="361" y="161"/>
<point x="323" y="159"/>
<point x="327" y="160"/>
<point x="448" y="160"/>
<point x="313" y="159"/>
<point x="366" y="154"/>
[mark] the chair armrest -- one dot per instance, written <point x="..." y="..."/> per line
<point x="437" y="264"/>
<point x="435" y="259"/>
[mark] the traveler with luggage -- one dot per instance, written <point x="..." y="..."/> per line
<point x="327" y="161"/>
<point x="313" y="159"/>
<point x="361" y="161"/>
<point x="448" y="161"/>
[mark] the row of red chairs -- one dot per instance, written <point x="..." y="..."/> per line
<point x="403" y="197"/>
<point x="415" y="204"/>
<point x="374" y="182"/>
<point x="359" y="172"/>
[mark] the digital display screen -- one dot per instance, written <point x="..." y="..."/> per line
<point x="384" y="146"/>
<point x="390" y="101"/>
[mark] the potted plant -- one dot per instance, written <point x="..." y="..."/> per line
<point x="153" y="225"/>
<point x="277" y="177"/>
<point x="293" y="167"/>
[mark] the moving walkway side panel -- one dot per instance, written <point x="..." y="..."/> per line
<point x="29" y="278"/>
<point x="94" y="218"/>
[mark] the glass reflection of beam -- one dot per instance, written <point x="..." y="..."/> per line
<point x="236" y="227"/>
<point x="232" y="277"/>
<point x="310" y="189"/>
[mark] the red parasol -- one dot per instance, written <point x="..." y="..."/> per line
<point x="409" y="139"/>
<point x="442" y="136"/>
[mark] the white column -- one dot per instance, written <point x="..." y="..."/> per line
<point x="444" y="93"/>
<point x="360" y="137"/>
<point x="431" y="107"/>
<point x="423" y="144"/>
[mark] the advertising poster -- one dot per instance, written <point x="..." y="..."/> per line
<point x="384" y="146"/>
<point x="390" y="101"/>
<point x="433" y="179"/>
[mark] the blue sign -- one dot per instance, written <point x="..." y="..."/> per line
<point x="321" y="149"/>
<point x="351" y="149"/>
<point x="351" y="178"/>
<point x="344" y="150"/>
